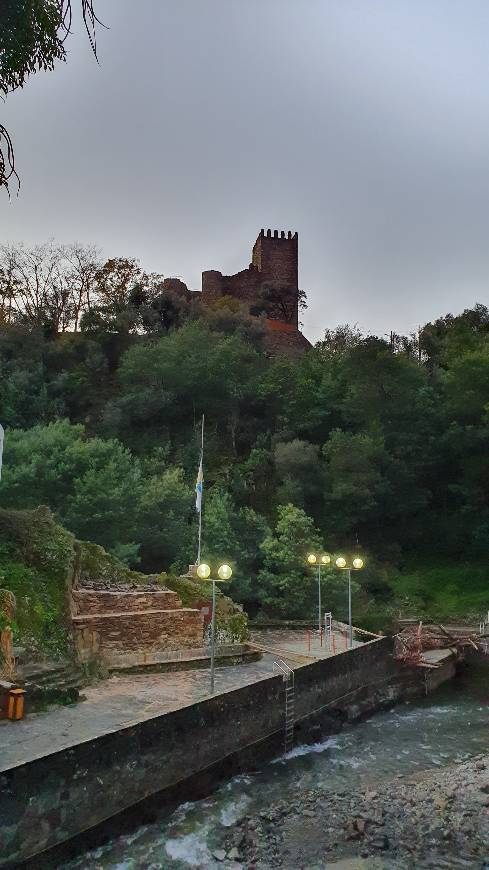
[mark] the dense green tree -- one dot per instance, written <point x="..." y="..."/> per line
<point x="235" y="536"/>
<point x="286" y="582"/>
<point x="165" y="527"/>
<point x="92" y="484"/>
<point x="300" y="474"/>
<point x="357" y="441"/>
<point x="467" y="386"/>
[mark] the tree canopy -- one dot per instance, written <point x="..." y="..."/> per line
<point x="359" y="443"/>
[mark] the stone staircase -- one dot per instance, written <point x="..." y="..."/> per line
<point x="50" y="682"/>
<point x="132" y="626"/>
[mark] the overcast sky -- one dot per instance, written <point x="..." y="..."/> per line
<point x="362" y="124"/>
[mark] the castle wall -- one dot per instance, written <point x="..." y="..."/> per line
<point x="277" y="258"/>
<point x="274" y="265"/>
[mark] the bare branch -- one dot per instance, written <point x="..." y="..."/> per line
<point x="32" y="37"/>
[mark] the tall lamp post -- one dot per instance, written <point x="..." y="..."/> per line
<point x="325" y="559"/>
<point x="356" y="564"/>
<point x="224" y="572"/>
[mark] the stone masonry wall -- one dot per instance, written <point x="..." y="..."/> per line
<point x="277" y="256"/>
<point x="88" y="601"/>
<point x="134" y="638"/>
<point x="274" y="261"/>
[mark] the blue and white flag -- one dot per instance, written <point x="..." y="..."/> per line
<point x="198" y="488"/>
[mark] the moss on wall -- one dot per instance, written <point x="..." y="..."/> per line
<point x="94" y="563"/>
<point x="193" y="592"/>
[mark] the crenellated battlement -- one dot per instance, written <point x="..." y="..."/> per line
<point x="276" y="234"/>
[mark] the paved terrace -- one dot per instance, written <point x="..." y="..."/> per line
<point x="126" y="699"/>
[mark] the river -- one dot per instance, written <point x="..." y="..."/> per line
<point x="450" y="725"/>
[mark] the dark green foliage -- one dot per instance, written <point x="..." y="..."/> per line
<point x="360" y="443"/>
<point x="438" y="590"/>
<point x="37" y="558"/>
<point x="194" y="592"/>
<point x="30" y="40"/>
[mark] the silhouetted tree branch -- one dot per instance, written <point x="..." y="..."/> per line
<point x="32" y="36"/>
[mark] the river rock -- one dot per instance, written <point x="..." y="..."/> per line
<point x="219" y="855"/>
<point x="360" y="825"/>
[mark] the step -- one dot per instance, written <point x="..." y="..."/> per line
<point x="82" y="618"/>
<point x="90" y="601"/>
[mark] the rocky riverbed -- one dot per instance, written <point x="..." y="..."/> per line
<point x="436" y="819"/>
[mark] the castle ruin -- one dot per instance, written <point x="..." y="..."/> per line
<point x="268" y="288"/>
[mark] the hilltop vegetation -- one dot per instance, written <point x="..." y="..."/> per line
<point x="384" y="444"/>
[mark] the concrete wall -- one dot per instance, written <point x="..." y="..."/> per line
<point x="51" y="799"/>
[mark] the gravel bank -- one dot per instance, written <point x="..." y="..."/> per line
<point x="437" y="819"/>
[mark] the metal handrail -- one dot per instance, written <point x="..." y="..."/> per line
<point x="283" y="668"/>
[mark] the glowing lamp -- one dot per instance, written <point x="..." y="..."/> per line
<point x="312" y="559"/>
<point x="357" y="563"/>
<point x="203" y="571"/>
<point x="325" y="560"/>
<point x="341" y="562"/>
<point x="224" y="572"/>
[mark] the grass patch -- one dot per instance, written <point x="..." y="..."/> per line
<point x="441" y="591"/>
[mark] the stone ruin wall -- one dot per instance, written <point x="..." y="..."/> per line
<point x="275" y="264"/>
<point x="88" y="601"/>
<point x="132" y="628"/>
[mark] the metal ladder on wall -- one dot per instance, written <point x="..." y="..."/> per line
<point x="288" y="678"/>
<point x="483" y="630"/>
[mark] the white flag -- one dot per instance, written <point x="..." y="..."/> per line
<point x="198" y="489"/>
<point x="1" y="448"/>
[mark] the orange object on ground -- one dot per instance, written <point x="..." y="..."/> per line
<point x="15" y="704"/>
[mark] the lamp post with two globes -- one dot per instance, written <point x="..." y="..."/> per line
<point x="325" y="559"/>
<point x="224" y="572"/>
<point x="356" y="564"/>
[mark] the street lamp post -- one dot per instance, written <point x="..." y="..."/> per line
<point x="325" y="559"/>
<point x="355" y="565"/>
<point x="224" y="572"/>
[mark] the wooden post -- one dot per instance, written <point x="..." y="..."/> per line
<point x="7" y="663"/>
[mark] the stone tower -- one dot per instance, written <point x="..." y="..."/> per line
<point x="274" y="264"/>
<point x="270" y="284"/>
<point x="276" y="257"/>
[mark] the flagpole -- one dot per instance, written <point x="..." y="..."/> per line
<point x="200" y="512"/>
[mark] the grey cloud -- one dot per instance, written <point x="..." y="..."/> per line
<point x="363" y="125"/>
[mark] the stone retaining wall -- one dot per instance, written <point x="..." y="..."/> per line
<point x="95" y="602"/>
<point x="132" y="638"/>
